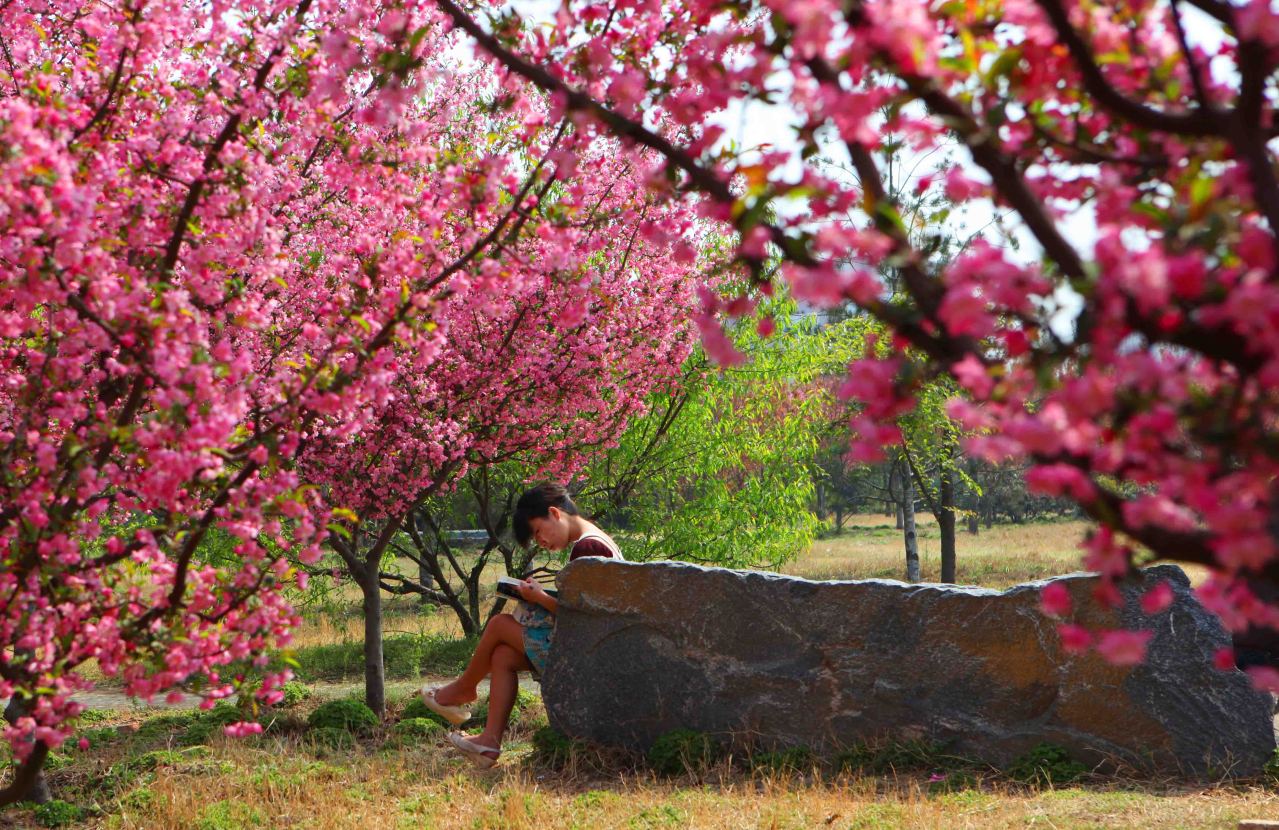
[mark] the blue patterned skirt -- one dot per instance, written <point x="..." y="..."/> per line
<point x="539" y="630"/>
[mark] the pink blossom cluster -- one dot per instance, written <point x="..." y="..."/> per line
<point x="543" y="353"/>
<point x="226" y="235"/>
<point x="1156" y="405"/>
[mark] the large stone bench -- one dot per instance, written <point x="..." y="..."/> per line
<point x="772" y="661"/>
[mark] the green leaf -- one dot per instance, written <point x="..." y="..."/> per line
<point x="1201" y="190"/>
<point x="1003" y="65"/>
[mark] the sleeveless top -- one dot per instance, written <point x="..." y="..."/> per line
<point x="592" y="543"/>
<point x="589" y="543"/>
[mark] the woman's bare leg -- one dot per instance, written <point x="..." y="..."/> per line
<point x="501" y="630"/>
<point x="505" y="682"/>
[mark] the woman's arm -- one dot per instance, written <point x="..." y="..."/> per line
<point x="536" y="594"/>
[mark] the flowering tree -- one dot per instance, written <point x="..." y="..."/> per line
<point x="1156" y="411"/>
<point x="592" y="315"/>
<point x="219" y="230"/>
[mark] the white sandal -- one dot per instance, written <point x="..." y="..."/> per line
<point x="483" y="757"/>
<point x="456" y="715"/>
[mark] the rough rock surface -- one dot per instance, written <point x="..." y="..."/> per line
<point x="641" y="649"/>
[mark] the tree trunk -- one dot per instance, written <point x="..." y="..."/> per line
<point x="424" y="576"/>
<point x="473" y="597"/>
<point x="946" y="523"/>
<point x="973" y="526"/>
<point x="908" y="529"/>
<point x="38" y="791"/>
<point x="895" y="501"/>
<point x="374" y="667"/>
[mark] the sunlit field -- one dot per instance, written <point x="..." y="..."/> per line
<point x="870" y="547"/>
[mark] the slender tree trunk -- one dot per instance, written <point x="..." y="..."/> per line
<point x="38" y="791"/>
<point x="895" y="503"/>
<point x="424" y="574"/>
<point x="946" y="523"/>
<point x="374" y="667"/>
<point x="368" y="575"/>
<point x="973" y="500"/>
<point x="908" y="529"/>
<point x="473" y="596"/>
<point x="426" y="578"/>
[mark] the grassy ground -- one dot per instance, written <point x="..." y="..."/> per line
<point x="155" y="774"/>
<point x="146" y="770"/>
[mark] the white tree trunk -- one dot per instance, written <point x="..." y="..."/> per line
<point x="908" y="529"/>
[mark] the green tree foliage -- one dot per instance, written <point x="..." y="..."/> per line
<point x="721" y="469"/>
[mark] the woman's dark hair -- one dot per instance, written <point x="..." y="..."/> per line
<point x="536" y="503"/>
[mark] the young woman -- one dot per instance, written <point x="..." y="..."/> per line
<point x="518" y="642"/>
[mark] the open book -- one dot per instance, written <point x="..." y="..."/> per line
<point x="509" y="587"/>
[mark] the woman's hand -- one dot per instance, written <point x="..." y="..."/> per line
<point x="535" y="594"/>
<point x="532" y="592"/>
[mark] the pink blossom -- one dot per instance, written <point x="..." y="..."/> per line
<point x="1075" y="639"/>
<point x="1264" y="678"/>
<point x="1054" y="599"/>
<point x="242" y="729"/>
<point x="1158" y="598"/>
<point x="961" y="188"/>
<point x="1258" y="21"/>
<point x="1059" y="479"/>
<point x="1124" y="648"/>
<point x="973" y="376"/>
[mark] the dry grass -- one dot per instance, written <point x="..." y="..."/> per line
<point x="286" y="783"/>
<point x="998" y="557"/>
<point x="404" y="618"/>
<point x="437" y="793"/>
<point x="870" y="547"/>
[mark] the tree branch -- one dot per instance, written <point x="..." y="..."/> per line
<point x="1196" y="123"/>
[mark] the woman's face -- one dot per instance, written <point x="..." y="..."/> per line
<point x="550" y="532"/>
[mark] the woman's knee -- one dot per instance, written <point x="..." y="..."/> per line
<point x="506" y="657"/>
<point x="500" y="621"/>
<point x="504" y="627"/>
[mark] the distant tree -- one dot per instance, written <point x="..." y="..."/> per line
<point x="720" y="471"/>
